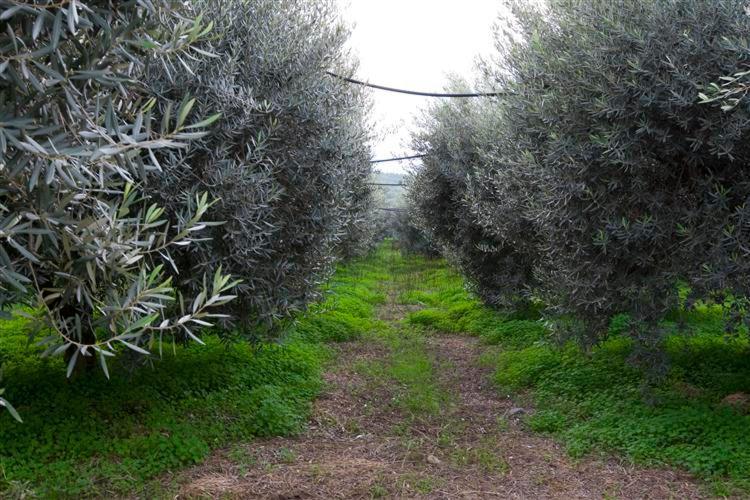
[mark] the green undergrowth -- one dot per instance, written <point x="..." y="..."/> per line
<point x="90" y="436"/>
<point x="409" y="370"/>
<point x="351" y="304"/>
<point x="93" y="437"/>
<point x="597" y="401"/>
<point x="449" y="307"/>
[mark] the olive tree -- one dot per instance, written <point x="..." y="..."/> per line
<point x="639" y="156"/>
<point x="82" y="245"/>
<point x="470" y="205"/>
<point x="288" y="161"/>
<point x="411" y="239"/>
<point x="612" y="172"/>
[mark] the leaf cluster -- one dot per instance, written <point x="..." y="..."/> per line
<point x="80" y="241"/>
<point x="470" y="205"/>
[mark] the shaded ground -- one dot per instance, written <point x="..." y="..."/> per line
<point x="361" y="443"/>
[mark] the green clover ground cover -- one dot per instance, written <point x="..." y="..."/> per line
<point x="93" y="437"/>
<point x="90" y="436"/>
<point x="595" y="401"/>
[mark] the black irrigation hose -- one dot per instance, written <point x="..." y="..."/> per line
<point x="414" y="92"/>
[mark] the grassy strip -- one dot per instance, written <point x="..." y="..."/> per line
<point x="594" y="401"/>
<point x="96" y="437"/>
<point x="416" y="379"/>
<point x="409" y="370"/>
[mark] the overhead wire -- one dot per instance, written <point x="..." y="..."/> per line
<point x="398" y="158"/>
<point x="409" y="92"/>
<point x="414" y="92"/>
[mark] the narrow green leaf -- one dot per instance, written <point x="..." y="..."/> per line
<point x="135" y="348"/>
<point x="72" y="362"/>
<point x="11" y="410"/>
<point x="103" y="363"/>
<point x="184" y="111"/>
<point x="166" y="118"/>
<point x="205" y="123"/>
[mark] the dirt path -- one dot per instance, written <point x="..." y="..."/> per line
<point x="360" y="444"/>
<point x="538" y="467"/>
<point x="354" y="449"/>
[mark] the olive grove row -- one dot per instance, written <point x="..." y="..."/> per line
<point x="165" y="166"/>
<point x="613" y="175"/>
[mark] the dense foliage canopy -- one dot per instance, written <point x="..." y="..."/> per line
<point x="80" y="243"/>
<point x="123" y="126"/>
<point x="287" y="162"/>
<point x="614" y="171"/>
<point x="469" y="205"/>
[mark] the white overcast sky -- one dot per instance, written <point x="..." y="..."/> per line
<point x="414" y="44"/>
